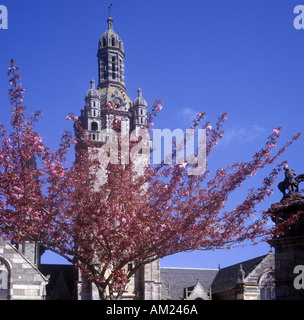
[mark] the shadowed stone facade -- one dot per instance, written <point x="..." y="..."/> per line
<point x="242" y="281"/>
<point x="289" y="248"/>
<point x="20" y="279"/>
<point x="246" y="280"/>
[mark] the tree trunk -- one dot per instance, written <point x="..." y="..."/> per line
<point x="106" y="292"/>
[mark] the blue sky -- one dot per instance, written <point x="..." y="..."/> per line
<point x="241" y="57"/>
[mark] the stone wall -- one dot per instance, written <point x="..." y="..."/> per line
<point x="252" y="283"/>
<point x="150" y="281"/>
<point x="289" y="247"/>
<point x="289" y="252"/>
<point x="19" y="279"/>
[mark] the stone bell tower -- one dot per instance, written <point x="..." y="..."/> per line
<point x="97" y="115"/>
<point x="97" y="118"/>
<point x="111" y="57"/>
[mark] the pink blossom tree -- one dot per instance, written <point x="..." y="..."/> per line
<point x="115" y="229"/>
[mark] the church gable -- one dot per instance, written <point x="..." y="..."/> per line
<point x="243" y="281"/>
<point x="196" y="292"/>
<point x="186" y="283"/>
<point x="19" y="279"/>
<point x="227" y="278"/>
<point x="259" y="283"/>
<point x="265" y="266"/>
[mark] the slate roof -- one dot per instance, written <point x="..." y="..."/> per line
<point x="177" y="279"/>
<point x="226" y="278"/>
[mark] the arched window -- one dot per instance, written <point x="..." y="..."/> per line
<point x="113" y="67"/>
<point x="94" y="126"/>
<point x="4" y="280"/>
<point x="119" y="73"/>
<point x="104" y="42"/>
<point x="267" y="287"/>
<point x="113" y="42"/>
<point x="104" y="68"/>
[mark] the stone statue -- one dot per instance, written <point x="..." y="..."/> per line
<point x="293" y="203"/>
<point x="291" y="181"/>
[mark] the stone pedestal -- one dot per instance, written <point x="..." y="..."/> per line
<point x="289" y="253"/>
<point x="289" y="249"/>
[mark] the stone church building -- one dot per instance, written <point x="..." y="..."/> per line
<point x="22" y="276"/>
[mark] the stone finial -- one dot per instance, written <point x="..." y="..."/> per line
<point x="139" y="91"/>
<point x="92" y="82"/>
<point x="241" y="274"/>
<point x="110" y="23"/>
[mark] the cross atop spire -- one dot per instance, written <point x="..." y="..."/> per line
<point x="109" y="7"/>
<point x="110" y="19"/>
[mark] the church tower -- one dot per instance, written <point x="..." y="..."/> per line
<point x="111" y="58"/>
<point x="104" y="101"/>
<point x="98" y="112"/>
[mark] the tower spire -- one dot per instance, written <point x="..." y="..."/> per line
<point x="111" y="58"/>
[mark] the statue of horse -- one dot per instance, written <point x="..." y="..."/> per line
<point x="291" y="187"/>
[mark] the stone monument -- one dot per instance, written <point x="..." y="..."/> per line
<point x="289" y="244"/>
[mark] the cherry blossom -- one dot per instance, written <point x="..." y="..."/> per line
<point x="110" y="230"/>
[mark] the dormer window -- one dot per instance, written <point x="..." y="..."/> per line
<point x="113" y="42"/>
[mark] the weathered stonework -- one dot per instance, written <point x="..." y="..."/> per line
<point x="19" y="278"/>
<point x="246" y="280"/>
<point x="289" y="253"/>
<point x="150" y="281"/>
<point x="289" y="248"/>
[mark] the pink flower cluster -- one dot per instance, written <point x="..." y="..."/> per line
<point x="114" y="228"/>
